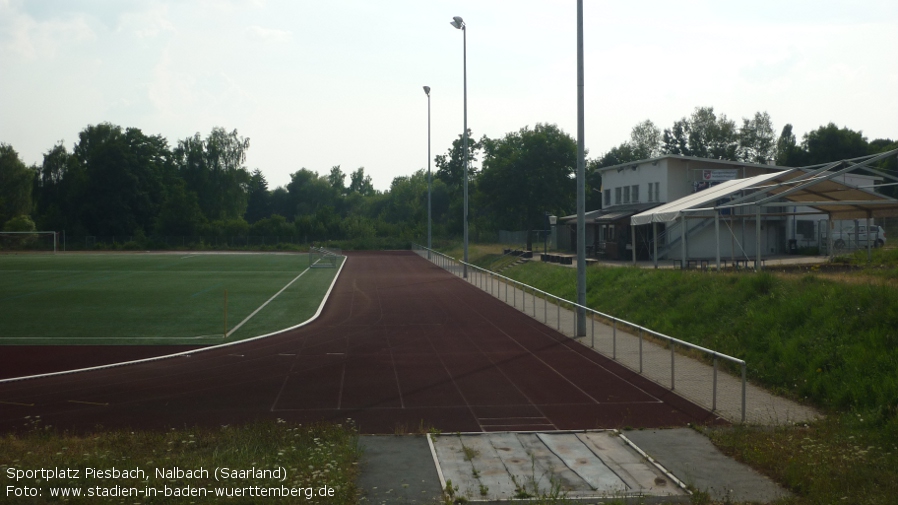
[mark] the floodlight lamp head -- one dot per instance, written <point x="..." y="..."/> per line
<point x="458" y="22"/>
<point x="427" y="90"/>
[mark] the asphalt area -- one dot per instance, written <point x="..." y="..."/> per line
<point x="401" y="346"/>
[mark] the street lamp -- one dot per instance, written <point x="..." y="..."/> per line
<point x="459" y="23"/>
<point x="429" y="245"/>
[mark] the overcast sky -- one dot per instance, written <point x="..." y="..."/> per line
<point x="318" y="83"/>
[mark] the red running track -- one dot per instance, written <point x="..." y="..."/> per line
<point x="401" y="344"/>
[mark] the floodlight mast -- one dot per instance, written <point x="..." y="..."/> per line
<point x="459" y="23"/>
<point x="429" y="244"/>
<point x="581" y="183"/>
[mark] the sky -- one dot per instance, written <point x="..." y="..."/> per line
<point x="316" y="83"/>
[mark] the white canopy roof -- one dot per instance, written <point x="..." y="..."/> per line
<point x="839" y="200"/>
<point x="672" y="211"/>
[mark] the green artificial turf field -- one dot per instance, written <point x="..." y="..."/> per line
<point x="157" y="299"/>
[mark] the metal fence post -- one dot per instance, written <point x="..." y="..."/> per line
<point x="743" y="392"/>
<point x="640" y="350"/>
<point x="614" y="340"/>
<point x="714" y="387"/>
<point x="672" y="384"/>
<point x="592" y="331"/>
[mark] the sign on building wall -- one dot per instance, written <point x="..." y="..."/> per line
<point x="718" y="175"/>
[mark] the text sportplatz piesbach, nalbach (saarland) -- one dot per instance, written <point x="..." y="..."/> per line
<point x="169" y="482"/>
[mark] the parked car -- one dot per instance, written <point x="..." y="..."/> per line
<point x="855" y="237"/>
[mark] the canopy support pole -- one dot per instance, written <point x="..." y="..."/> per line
<point x="717" y="237"/>
<point x="758" y="239"/>
<point x="683" y="242"/>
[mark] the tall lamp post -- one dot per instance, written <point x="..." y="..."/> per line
<point x="429" y="245"/>
<point x="459" y="23"/>
<point x="581" y="182"/>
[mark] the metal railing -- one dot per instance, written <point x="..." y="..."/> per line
<point x="498" y="285"/>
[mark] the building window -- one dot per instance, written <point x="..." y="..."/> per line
<point x="654" y="193"/>
<point x="804" y="228"/>
<point x="617" y="196"/>
<point x="607" y="197"/>
<point x="626" y="194"/>
<point x="635" y="193"/>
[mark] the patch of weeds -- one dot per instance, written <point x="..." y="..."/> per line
<point x="450" y="494"/>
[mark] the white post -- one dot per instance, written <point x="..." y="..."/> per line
<point x="869" y="240"/>
<point x="717" y="237"/>
<point x="758" y="239"/>
<point x="683" y="242"/>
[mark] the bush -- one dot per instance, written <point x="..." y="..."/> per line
<point x="19" y="223"/>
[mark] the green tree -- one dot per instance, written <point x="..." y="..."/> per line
<point x="711" y="136"/>
<point x="116" y="184"/>
<point x="624" y="153"/>
<point x="309" y="193"/>
<point x="645" y="140"/>
<point x="788" y="152"/>
<point x="757" y="140"/>
<point x="830" y="143"/>
<point x="16" y="184"/>
<point x="337" y="180"/>
<point x="675" y="140"/>
<point x="449" y="165"/>
<point x="213" y="168"/>
<point x="19" y="223"/>
<point x="528" y="173"/>
<point x="258" y="198"/>
<point x="180" y="214"/>
<point x="360" y="183"/>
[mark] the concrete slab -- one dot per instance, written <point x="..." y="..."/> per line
<point x="398" y="469"/>
<point x="693" y="459"/>
<point x="493" y="467"/>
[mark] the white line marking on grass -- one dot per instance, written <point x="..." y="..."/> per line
<point x="188" y="354"/>
<point x="228" y="334"/>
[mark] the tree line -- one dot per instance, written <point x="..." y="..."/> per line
<point x="122" y="182"/>
<point x="704" y="134"/>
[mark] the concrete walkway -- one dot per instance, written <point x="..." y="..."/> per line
<point x="402" y="469"/>
<point x="691" y="378"/>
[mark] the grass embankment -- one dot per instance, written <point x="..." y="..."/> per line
<point x="833" y="344"/>
<point x="489" y="256"/>
<point x="312" y="457"/>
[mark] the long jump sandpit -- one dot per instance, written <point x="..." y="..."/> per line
<point x="400" y="346"/>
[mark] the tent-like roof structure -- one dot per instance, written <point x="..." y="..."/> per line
<point x="816" y="188"/>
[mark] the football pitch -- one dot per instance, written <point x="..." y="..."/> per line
<point x="154" y="299"/>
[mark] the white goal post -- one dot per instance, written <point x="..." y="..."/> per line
<point x="323" y="257"/>
<point x="28" y="241"/>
